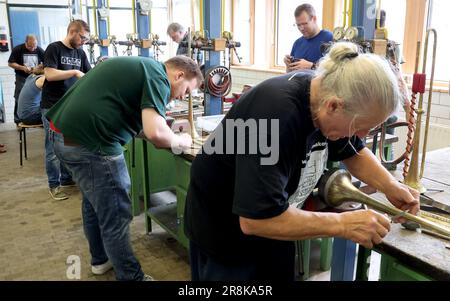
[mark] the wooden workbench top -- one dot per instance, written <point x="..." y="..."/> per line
<point x="422" y="252"/>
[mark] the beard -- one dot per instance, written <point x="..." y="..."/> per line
<point x="73" y="44"/>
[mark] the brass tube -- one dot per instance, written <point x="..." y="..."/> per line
<point x="339" y="189"/>
<point x="430" y="96"/>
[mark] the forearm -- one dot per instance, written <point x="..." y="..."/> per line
<point x="16" y="66"/>
<point x="156" y="129"/>
<point x="294" y="224"/>
<point x="164" y="137"/>
<point x="366" y="167"/>
<point x="52" y="74"/>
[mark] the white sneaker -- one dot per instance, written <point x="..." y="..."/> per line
<point x="101" y="269"/>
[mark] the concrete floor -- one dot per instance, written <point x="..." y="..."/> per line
<point x="38" y="234"/>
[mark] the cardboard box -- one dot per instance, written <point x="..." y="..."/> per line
<point x="219" y="44"/>
<point x="146" y="43"/>
<point x="380" y="47"/>
<point x="104" y="42"/>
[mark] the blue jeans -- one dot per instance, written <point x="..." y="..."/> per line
<point x="106" y="207"/>
<point x="56" y="173"/>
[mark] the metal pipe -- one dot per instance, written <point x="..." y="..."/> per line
<point x="430" y="96"/>
<point x="94" y="12"/>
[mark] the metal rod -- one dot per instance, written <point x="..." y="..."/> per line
<point x="430" y="96"/>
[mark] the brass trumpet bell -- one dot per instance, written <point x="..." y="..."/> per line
<point x="335" y="187"/>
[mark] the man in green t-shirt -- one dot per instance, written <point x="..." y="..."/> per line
<point x="103" y="111"/>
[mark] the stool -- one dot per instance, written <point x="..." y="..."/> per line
<point x="23" y="137"/>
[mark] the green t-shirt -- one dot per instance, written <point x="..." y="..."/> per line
<point x="103" y="110"/>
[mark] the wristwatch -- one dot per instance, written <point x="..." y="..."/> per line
<point x="313" y="67"/>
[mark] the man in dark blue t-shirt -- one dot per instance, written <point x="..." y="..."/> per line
<point x="306" y="51"/>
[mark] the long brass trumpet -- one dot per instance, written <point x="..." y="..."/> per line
<point x="336" y="187"/>
<point x="411" y="174"/>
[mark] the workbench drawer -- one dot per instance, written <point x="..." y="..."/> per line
<point x="183" y="172"/>
<point x="392" y="270"/>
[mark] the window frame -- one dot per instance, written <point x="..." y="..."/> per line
<point x="416" y="19"/>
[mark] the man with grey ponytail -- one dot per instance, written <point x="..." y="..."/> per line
<point x="242" y="217"/>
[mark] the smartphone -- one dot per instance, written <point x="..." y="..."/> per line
<point x="293" y="59"/>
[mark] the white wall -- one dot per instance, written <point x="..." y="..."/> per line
<point x="6" y="73"/>
<point x="4" y="22"/>
<point x="439" y="135"/>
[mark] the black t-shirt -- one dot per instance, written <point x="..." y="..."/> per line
<point x="60" y="57"/>
<point x="22" y="56"/>
<point x="226" y="186"/>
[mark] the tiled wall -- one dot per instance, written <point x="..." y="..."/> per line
<point x="440" y="109"/>
<point x="241" y="77"/>
<point x="7" y="82"/>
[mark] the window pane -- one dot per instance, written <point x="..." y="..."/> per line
<point x="117" y="3"/>
<point x="48" y="24"/>
<point x="181" y="14"/>
<point x="441" y="22"/>
<point x="121" y="23"/>
<point x="159" y="26"/>
<point x="242" y="29"/>
<point x="260" y="55"/>
<point x="395" y="21"/>
<point x="287" y="32"/>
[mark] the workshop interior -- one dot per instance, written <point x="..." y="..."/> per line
<point x="111" y="119"/>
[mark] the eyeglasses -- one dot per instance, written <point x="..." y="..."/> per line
<point x="301" y="24"/>
<point x="83" y="38"/>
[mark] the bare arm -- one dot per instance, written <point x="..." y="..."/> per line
<point x="159" y="133"/>
<point x="18" y="67"/>
<point x="365" y="227"/>
<point x="52" y="74"/>
<point x="293" y="224"/>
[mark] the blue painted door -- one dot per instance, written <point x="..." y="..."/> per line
<point x="23" y="23"/>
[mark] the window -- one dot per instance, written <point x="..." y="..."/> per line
<point x="261" y="54"/>
<point x="242" y="30"/>
<point x="395" y="20"/>
<point x="159" y="22"/>
<point x="120" y="3"/>
<point x="439" y="20"/>
<point x="286" y="30"/>
<point x="48" y="24"/>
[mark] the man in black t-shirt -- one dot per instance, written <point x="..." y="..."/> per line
<point x="253" y="174"/>
<point x="24" y="59"/>
<point x="64" y="63"/>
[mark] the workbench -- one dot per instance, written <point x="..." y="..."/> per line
<point x="409" y="255"/>
<point x="159" y="183"/>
